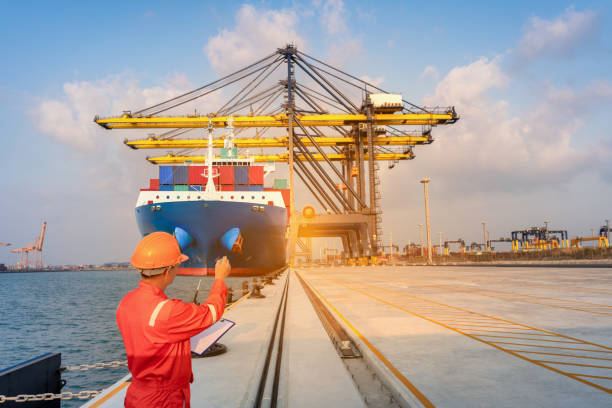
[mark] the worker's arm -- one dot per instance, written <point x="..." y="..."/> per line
<point x="179" y="320"/>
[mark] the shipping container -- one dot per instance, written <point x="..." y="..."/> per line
<point x="181" y="187"/>
<point x="166" y="187"/>
<point x="256" y="175"/>
<point x="241" y="175"/>
<point x="195" y="187"/>
<point x="165" y="175"/>
<point x="226" y="175"/>
<point x="226" y="187"/>
<point x="253" y="187"/>
<point x="196" y="174"/>
<point x="153" y="184"/>
<point x="181" y="175"/>
<point x="280" y="184"/>
<point x="241" y="187"/>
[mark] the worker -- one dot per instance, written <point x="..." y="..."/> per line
<point x="156" y="330"/>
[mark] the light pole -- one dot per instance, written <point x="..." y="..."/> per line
<point x="484" y="236"/>
<point x="425" y="182"/>
<point x="421" y="238"/>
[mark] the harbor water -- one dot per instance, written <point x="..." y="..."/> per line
<point x="74" y="313"/>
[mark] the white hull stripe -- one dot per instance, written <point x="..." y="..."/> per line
<point x="156" y="312"/>
<point x="214" y="312"/>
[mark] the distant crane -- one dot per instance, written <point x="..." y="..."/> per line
<point x="36" y="247"/>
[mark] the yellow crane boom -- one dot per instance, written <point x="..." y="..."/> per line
<point x="283" y="157"/>
<point x="245" y="143"/>
<point x="129" y="122"/>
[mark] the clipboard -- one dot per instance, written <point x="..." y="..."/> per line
<point x="200" y="343"/>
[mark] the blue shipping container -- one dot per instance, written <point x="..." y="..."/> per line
<point x="181" y="175"/>
<point x="165" y="175"/>
<point x="166" y="187"/>
<point x="241" y="175"/>
<point x="195" y="187"/>
<point x="256" y="188"/>
<point x="239" y="187"/>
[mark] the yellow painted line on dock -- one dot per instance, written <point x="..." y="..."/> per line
<point x="569" y="304"/>
<point x="230" y="307"/>
<point x="562" y="355"/>
<point x="543" y="364"/>
<point x="552" y="347"/>
<point x="111" y="394"/>
<point x="415" y="391"/>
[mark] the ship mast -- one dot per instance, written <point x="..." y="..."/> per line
<point x="210" y="184"/>
<point x="229" y="140"/>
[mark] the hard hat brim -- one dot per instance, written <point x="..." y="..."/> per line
<point x="182" y="259"/>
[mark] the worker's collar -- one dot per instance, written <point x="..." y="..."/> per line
<point x="144" y="285"/>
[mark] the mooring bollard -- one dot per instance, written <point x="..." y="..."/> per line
<point x="230" y="295"/>
<point x="255" y="290"/>
<point x="245" y="288"/>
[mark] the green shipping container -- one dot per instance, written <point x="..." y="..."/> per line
<point x="181" y="187"/>
<point x="229" y="153"/>
<point x="280" y="184"/>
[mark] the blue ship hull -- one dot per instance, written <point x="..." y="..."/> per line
<point x="263" y="232"/>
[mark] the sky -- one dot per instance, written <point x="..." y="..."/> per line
<point x="531" y="82"/>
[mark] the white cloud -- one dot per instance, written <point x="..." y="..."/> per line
<point x="378" y="81"/>
<point x="343" y="52"/>
<point x="560" y="37"/>
<point x="258" y="32"/>
<point x="69" y="119"/>
<point x="333" y="16"/>
<point x="430" y="71"/>
<point x="507" y="151"/>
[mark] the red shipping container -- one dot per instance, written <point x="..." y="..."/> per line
<point x="226" y="187"/>
<point x="226" y="175"/>
<point x="256" y="175"/>
<point x="195" y="175"/>
<point x="154" y="184"/>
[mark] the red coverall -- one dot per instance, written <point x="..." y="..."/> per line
<point x="156" y="332"/>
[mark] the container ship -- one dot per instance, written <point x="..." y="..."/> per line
<point x="221" y="209"/>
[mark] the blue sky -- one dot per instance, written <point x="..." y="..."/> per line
<point x="531" y="81"/>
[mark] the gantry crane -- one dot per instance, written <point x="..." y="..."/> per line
<point x="329" y="125"/>
<point x="459" y="241"/>
<point x="36" y="247"/>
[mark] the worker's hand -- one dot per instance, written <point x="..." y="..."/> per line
<point x="222" y="268"/>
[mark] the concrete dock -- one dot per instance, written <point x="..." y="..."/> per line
<point x="424" y="336"/>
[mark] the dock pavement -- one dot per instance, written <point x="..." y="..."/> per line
<point x="426" y="336"/>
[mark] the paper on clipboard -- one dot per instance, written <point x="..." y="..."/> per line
<point x="200" y="343"/>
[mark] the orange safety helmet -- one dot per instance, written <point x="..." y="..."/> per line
<point x="157" y="250"/>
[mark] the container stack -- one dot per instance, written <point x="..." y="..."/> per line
<point x="181" y="178"/>
<point x="241" y="178"/>
<point x="226" y="178"/>
<point x="256" y="178"/>
<point x="195" y="178"/>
